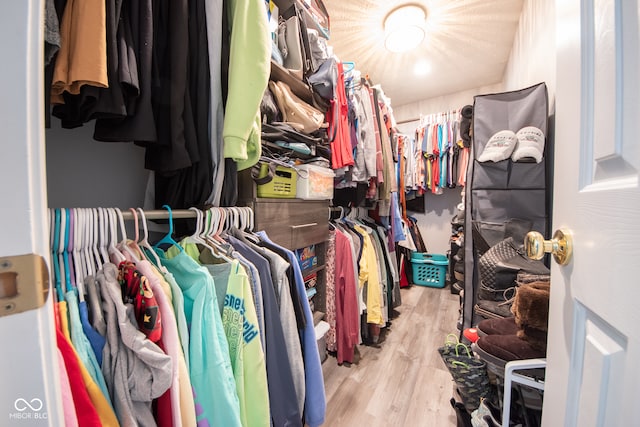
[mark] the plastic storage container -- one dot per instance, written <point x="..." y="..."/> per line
<point x="283" y="184"/>
<point x="321" y="330"/>
<point x="315" y="183"/>
<point x="429" y="269"/>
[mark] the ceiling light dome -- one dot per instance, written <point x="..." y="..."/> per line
<point x="404" y="28"/>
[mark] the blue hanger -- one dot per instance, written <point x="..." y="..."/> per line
<point x="351" y="65"/>
<point x="65" y="251"/>
<point x="54" y="254"/>
<point x="168" y="239"/>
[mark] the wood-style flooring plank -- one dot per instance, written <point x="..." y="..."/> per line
<point x="403" y="382"/>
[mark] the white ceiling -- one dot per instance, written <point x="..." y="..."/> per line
<point x="467" y="45"/>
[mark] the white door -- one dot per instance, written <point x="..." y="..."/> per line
<point x="594" y="336"/>
<point x="28" y="365"/>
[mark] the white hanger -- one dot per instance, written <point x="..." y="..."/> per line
<point x="114" y="254"/>
<point x="76" y="251"/>
<point x="252" y="222"/>
<point x="133" y="244"/>
<point x="87" y="242"/>
<point x="210" y="235"/>
<point x="123" y="246"/>
<point x="103" y="237"/>
<point x="196" y="236"/>
<point x="144" y="243"/>
<point x="95" y="237"/>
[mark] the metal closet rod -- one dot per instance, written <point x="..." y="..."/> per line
<point x="164" y="214"/>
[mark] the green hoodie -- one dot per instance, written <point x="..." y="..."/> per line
<point x="249" y="68"/>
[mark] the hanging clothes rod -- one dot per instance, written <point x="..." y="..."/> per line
<point x="407" y="121"/>
<point x="164" y="214"/>
<point x="417" y="119"/>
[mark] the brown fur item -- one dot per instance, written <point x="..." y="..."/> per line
<point x="531" y="305"/>
<point x="531" y="310"/>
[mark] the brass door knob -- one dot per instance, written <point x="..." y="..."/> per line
<point x="561" y="246"/>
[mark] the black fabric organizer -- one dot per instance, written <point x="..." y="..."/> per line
<point x="498" y="192"/>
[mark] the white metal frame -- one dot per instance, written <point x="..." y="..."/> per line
<point x="510" y="377"/>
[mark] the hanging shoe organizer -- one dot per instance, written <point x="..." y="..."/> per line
<point x="503" y="191"/>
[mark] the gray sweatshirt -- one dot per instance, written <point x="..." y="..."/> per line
<point x="135" y="369"/>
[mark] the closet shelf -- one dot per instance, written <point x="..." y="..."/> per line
<point x="315" y="269"/>
<point x="298" y="87"/>
<point x="311" y="17"/>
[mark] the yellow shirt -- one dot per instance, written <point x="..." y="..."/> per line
<point x="369" y="275"/>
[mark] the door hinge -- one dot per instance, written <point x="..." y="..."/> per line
<point x="24" y="283"/>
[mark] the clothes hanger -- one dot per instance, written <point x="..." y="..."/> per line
<point x="69" y="249"/>
<point x="252" y="216"/>
<point x="65" y="224"/>
<point x="103" y="240"/>
<point x="55" y="242"/>
<point x="88" y="239"/>
<point x="123" y="246"/>
<point x="168" y="238"/>
<point x="76" y="250"/>
<point x="133" y="244"/>
<point x="94" y="254"/>
<point x="144" y="243"/>
<point x="244" y="224"/>
<point x="197" y="238"/>
<point x="350" y="66"/>
<point x="219" y="246"/>
<point x="114" y="253"/>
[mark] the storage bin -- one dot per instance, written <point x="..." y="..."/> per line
<point x="315" y="183"/>
<point x="429" y="269"/>
<point x="321" y="330"/>
<point x="282" y="185"/>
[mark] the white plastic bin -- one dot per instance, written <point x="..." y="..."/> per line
<point x="316" y="183"/>
<point x="321" y="330"/>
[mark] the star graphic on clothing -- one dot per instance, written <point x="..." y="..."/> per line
<point x="147" y="318"/>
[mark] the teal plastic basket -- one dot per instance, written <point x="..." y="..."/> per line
<point x="429" y="269"/>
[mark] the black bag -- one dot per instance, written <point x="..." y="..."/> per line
<point x="499" y="268"/>
<point x="468" y="372"/>
<point x="325" y="79"/>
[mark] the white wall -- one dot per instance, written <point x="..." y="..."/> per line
<point x="453" y="101"/>
<point x="82" y="172"/>
<point x="532" y="58"/>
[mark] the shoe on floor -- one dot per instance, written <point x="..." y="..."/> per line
<point x="486" y="415"/>
<point x="506" y="326"/>
<point x="456" y="287"/>
<point x="500" y="349"/>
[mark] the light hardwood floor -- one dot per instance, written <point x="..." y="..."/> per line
<point x="403" y="383"/>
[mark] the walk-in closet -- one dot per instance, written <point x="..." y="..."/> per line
<point x="319" y="213"/>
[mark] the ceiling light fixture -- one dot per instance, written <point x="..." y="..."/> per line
<point x="404" y="28"/>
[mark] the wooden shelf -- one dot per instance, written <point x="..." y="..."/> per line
<point x="315" y="269"/>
